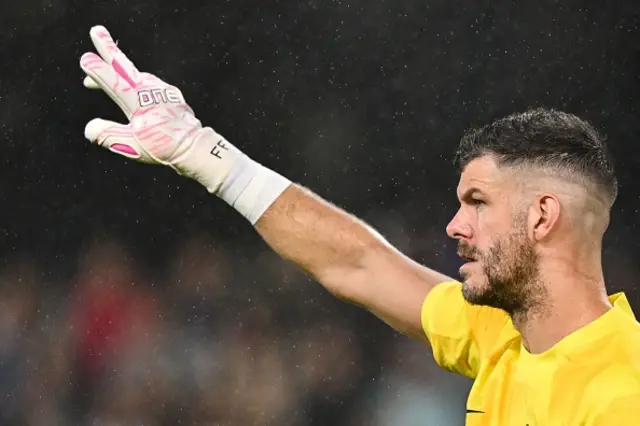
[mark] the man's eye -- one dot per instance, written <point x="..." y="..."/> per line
<point x="477" y="202"/>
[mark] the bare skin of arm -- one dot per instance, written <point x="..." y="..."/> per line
<point x="350" y="259"/>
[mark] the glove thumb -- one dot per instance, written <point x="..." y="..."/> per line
<point x="115" y="137"/>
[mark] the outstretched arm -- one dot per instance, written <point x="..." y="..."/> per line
<point x="350" y="259"/>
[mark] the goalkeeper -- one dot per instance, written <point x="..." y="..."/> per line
<point x="531" y="321"/>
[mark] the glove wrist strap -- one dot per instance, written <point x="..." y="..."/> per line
<point x="224" y="170"/>
<point x="251" y="188"/>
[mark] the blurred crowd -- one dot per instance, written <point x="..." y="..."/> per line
<point x="208" y="338"/>
<point x="207" y="342"/>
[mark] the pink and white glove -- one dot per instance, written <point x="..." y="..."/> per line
<point x="163" y="130"/>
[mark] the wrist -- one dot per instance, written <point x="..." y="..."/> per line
<point x="208" y="159"/>
<point x="251" y="188"/>
<point x="225" y="171"/>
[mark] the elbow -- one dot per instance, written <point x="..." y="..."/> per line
<point x="352" y="277"/>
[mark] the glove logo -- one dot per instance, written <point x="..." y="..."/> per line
<point x="218" y="148"/>
<point x="150" y="97"/>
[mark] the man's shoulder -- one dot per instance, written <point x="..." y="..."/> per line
<point x="617" y="378"/>
<point x="623" y="346"/>
<point x="617" y="347"/>
<point x="613" y="391"/>
<point x="609" y="368"/>
<point x="617" y="359"/>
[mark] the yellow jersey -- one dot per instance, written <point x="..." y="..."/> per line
<point x="590" y="378"/>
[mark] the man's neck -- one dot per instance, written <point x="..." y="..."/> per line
<point x="570" y="305"/>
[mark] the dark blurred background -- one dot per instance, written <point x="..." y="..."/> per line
<point x="128" y="295"/>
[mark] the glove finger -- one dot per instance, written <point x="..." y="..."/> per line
<point x="116" y="137"/>
<point x="106" y="78"/>
<point x="90" y="83"/>
<point x="111" y="54"/>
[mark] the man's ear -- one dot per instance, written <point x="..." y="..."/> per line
<point x="544" y="215"/>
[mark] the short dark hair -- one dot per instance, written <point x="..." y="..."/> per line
<point x="545" y="138"/>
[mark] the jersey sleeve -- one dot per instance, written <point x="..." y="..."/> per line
<point x="462" y="335"/>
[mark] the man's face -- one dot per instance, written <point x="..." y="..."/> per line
<point x="491" y="229"/>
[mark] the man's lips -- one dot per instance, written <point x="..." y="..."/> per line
<point x="467" y="258"/>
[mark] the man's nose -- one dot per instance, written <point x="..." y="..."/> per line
<point x="459" y="227"/>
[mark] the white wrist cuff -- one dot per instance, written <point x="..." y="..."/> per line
<point x="251" y="188"/>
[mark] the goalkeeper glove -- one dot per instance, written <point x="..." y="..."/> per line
<point x="163" y="129"/>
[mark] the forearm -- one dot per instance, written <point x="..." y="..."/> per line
<point x="318" y="236"/>
<point x="348" y="258"/>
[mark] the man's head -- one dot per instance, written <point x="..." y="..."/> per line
<point x="534" y="186"/>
